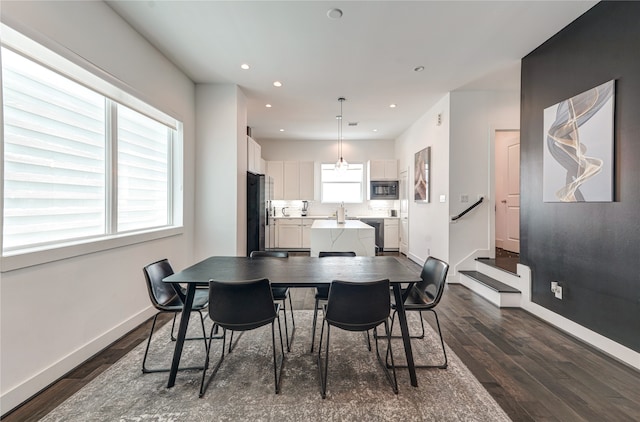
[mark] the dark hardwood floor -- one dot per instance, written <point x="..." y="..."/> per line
<point x="534" y="371"/>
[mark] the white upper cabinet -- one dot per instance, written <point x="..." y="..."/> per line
<point x="307" y="180"/>
<point x="254" y="156"/>
<point x="275" y="169"/>
<point x="382" y="169"/>
<point x="292" y="179"/>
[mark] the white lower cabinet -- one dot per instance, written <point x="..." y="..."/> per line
<point x="294" y="233"/>
<point x="391" y="234"/>
<point x="289" y="233"/>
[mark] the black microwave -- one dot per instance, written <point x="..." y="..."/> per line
<point x="383" y="189"/>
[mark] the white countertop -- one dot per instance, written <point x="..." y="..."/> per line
<point x="333" y="224"/>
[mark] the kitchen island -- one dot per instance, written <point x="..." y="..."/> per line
<point x="352" y="235"/>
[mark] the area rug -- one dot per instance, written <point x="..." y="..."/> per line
<point x="243" y="388"/>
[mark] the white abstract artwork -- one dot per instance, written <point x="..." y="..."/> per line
<point x="578" y="147"/>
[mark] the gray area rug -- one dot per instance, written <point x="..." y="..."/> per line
<point x="243" y="388"/>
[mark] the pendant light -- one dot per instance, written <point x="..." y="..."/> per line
<point x="341" y="164"/>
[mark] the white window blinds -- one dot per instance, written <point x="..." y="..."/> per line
<point x="54" y="156"/>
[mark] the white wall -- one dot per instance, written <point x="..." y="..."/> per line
<point x="461" y="163"/>
<point x="428" y="222"/>
<point x="325" y="151"/>
<point x="221" y="166"/>
<point x="475" y="116"/>
<point x="55" y="316"/>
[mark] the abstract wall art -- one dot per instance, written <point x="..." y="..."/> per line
<point x="578" y="147"/>
<point x="421" y="177"/>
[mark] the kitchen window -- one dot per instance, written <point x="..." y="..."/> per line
<point x="79" y="166"/>
<point x="342" y="186"/>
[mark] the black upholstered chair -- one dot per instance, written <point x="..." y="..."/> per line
<point x="322" y="294"/>
<point x="168" y="297"/>
<point x="242" y="306"/>
<point x="280" y="294"/>
<point x="425" y="296"/>
<point x="357" y="306"/>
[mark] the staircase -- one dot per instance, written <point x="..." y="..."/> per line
<point x="498" y="286"/>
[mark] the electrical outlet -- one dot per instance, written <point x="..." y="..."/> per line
<point x="464" y="198"/>
<point x="558" y="292"/>
<point x="554" y="286"/>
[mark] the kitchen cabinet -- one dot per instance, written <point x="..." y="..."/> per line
<point x="391" y="234"/>
<point x="293" y="233"/>
<point x="382" y="170"/>
<point x="289" y="233"/>
<point x="292" y="180"/>
<point x="254" y="156"/>
<point x="275" y="169"/>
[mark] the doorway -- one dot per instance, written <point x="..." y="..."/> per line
<point x="507" y="189"/>
<point x="404" y="212"/>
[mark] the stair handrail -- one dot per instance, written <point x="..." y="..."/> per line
<point x="454" y="218"/>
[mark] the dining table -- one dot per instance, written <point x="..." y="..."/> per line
<point x="295" y="271"/>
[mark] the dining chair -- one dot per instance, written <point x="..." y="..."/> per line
<point x="280" y="294"/>
<point x="425" y="296"/>
<point x="168" y="297"/>
<point x="357" y="306"/>
<point x="322" y="294"/>
<point x="243" y="306"/>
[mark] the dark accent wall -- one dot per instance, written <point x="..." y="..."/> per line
<point x="593" y="249"/>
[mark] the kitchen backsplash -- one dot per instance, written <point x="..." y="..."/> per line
<point x="368" y="208"/>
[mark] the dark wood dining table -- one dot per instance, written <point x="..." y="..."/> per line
<point x="295" y="271"/>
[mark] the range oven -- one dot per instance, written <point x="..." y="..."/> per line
<point x="378" y="225"/>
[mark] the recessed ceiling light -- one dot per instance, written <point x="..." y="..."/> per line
<point x="375" y="130"/>
<point x="281" y="130"/>
<point x="334" y="13"/>
<point x="418" y="69"/>
<point x="267" y="105"/>
<point x="277" y="83"/>
<point x="244" y="66"/>
<point x="393" y="105"/>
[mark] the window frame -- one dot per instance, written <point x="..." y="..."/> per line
<point x="361" y="200"/>
<point x="77" y="69"/>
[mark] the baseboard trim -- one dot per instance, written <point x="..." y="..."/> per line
<point x="19" y="394"/>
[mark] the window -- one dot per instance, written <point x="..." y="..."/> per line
<point x="79" y="166"/>
<point x="339" y="186"/>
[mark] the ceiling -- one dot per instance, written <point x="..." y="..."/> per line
<point x="367" y="56"/>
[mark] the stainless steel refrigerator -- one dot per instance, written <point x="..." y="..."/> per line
<point x="259" y="229"/>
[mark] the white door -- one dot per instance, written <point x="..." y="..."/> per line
<point x="404" y="212"/>
<point x="507" y="183"/>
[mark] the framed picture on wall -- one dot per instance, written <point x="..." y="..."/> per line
<point x="421" y="176"/>
<point x="578" y="147"/>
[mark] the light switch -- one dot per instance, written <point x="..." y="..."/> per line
<point x="443" y="198"/>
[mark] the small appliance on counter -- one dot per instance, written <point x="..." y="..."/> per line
<point x="393" y="213"/>
<point x="305" y="208"/>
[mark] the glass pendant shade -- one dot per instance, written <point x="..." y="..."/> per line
<point x="342" y="165"/>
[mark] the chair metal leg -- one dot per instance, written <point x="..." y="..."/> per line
<point x="277" y="374"/>
<point x="313" y="327"/>
<point x="286" y="324"/>
<point x="204" y="385"/>
<point x="421" y="336"/>
<point x="444" y="351"/>
<point x="146" y="370"/>
<point x="392" y="380"/>
<point x="322" y="374"/>
<point x="204" y="335"/>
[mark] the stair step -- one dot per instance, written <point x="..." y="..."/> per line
<point x="490" y="282"/>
